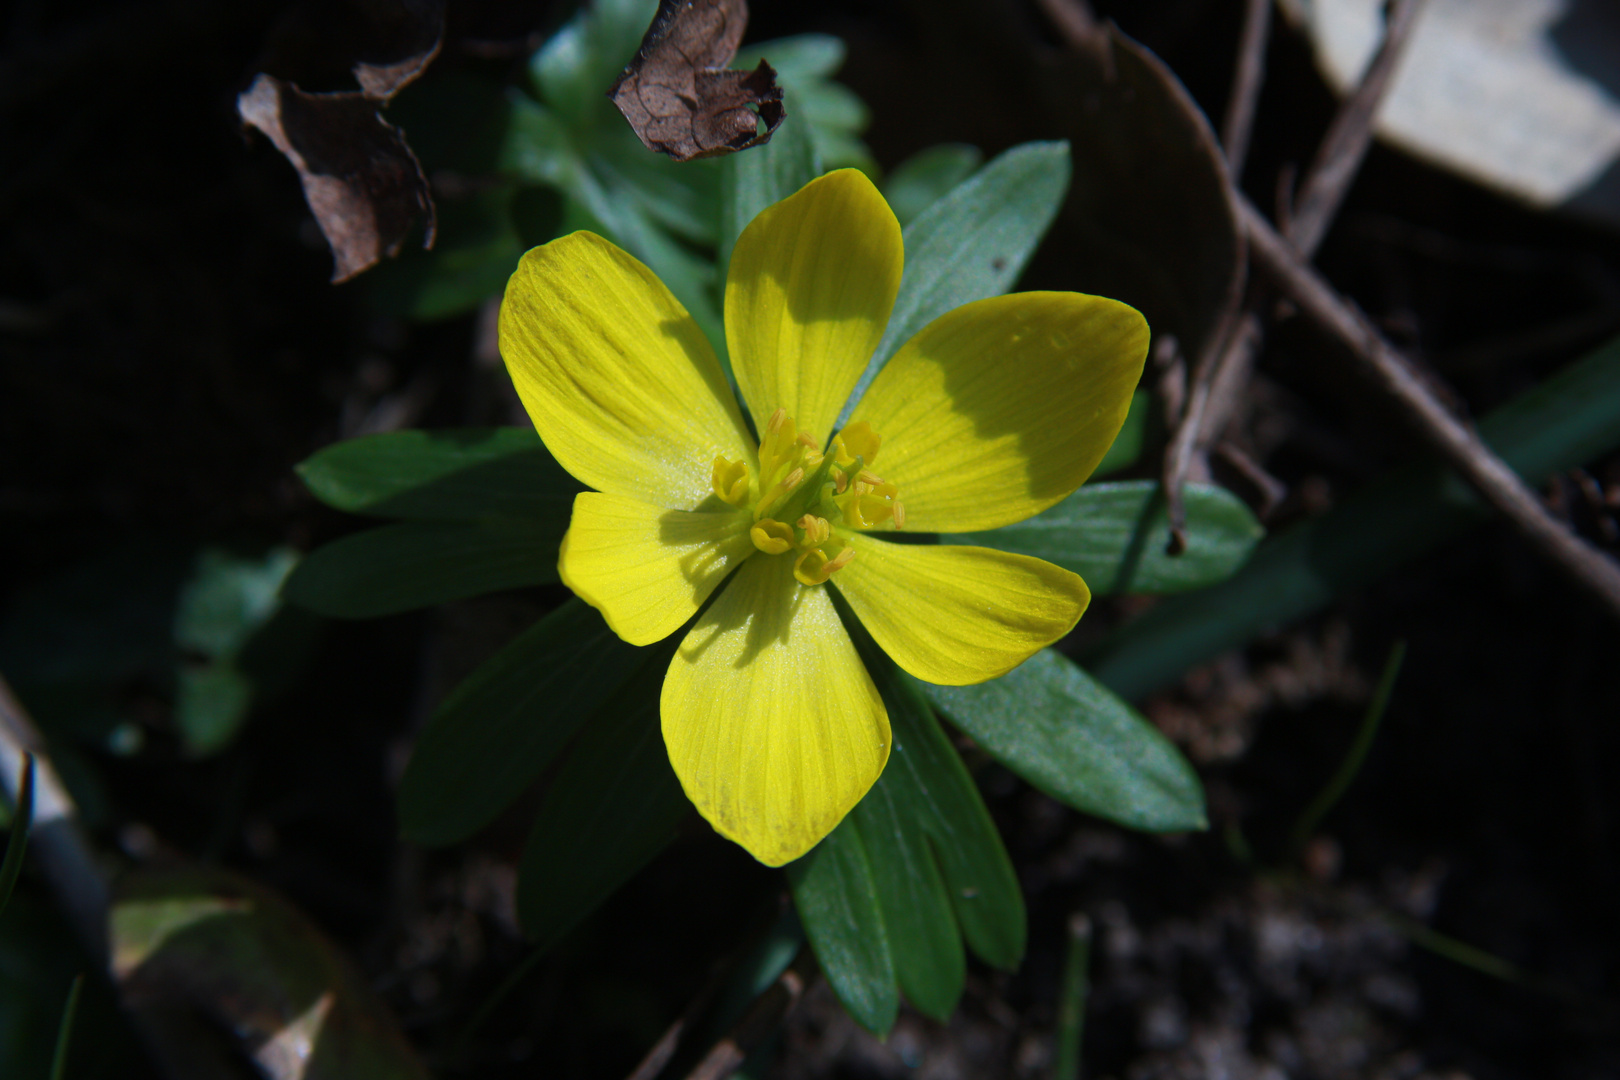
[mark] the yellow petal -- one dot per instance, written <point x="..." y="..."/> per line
<point x="645" y="568"/>
<point x="959" y="615"/>
<point x="1002" y="407"/>
<point x="809" y="291"/>
<point x="619" y="381"/>
<point x="772" y="723"/>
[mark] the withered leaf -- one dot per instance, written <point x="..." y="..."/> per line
<point x="677" y="93"/>
<point x="381" y="44"/>
<point x="361" y="180"/>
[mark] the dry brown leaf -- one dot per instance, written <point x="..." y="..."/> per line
<point x="677" y="94"/>
<point x="361" y="180"/>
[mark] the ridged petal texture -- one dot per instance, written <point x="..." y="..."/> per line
<point x="772" y="723"/>
<point x="809" y="291"/>
<point x="959" y="615"/>
<point x="645" y="568"/>
<point x="1002" y="407"/>
<point x="620" y="383"/>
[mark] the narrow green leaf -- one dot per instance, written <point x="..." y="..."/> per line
<point x="683" y="197"/>
<point x="503" y="724"/>
<point x="834" y="891"/>
<point x="1114" y="536"/>
<point x="1567" y="421"/>
<point x="1064" y="732"/>
<point x="537" y="147"/>
<point x="975" y="241"/>
<point x="22" y="819"/>
<point x="929" y="963"/>
<point x="415" y="564"/>
<point x="928" y="176"/>
<point x="64" y="1032"/>
<point x="452" y="475"/>
<point x="1127" y="445"/>
<point x="613" y="805"/>
<point x="475" y="249"/>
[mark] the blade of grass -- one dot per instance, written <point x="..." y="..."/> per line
<point x="1346" y="774"/>
<point x="22" y="819"/>
<point x="1071" y="1018"/>
<point x="64" y="1034"/>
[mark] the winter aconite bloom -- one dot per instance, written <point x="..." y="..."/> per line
<point x="991" y="413"/>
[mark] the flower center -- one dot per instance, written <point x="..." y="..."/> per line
<point x="805" y="501"/>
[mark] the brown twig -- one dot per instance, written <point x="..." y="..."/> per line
<point x="1457" y="441"/>
<point x="1178" y="456"/>
<point x="761" y="1019"/>
<point x="1339" y="156"/>
<point x="1305" y="219"/>
<point x="55" y="840"/>
<point x="1247" y="79"/>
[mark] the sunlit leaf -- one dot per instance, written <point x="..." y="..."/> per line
<point x="836" y="896"/>
<point x="975" y="241"/>
<point x="1114" y="536"/>
<point x="1071" y="737"/>
<point x="928" y="176"/>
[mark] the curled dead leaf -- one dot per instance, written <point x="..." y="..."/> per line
<point x="361" y="180"/>
<point x="677" y="93"/>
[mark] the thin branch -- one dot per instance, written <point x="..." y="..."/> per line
<point x="54" y="840"/>
<point x="759" y="1022"/>
<point x="1345" y="144"/>
<point x="1458" y="442"/>
<point x="1247" y="79"/>
<point x="1305" y="219"/>
<point x="1178" y="456"/>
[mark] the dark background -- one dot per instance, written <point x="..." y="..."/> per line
<point x="170" y="347"/>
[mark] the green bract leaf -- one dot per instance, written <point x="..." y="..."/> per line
<point x="836" y="896"/>
<point x="415" y="564"/>
<point x="1114" y="536"/>
<point x="572" y="71"/>
<point x="928" y="176"/>
<point x="537" y="147"/>
<point x="613" y="805"/>
<point x="831" y="115"/>
<point x="1127" y="445"/>
<point x="1567" y="421"/>
<point x="454" y="475"/>
<point x="1067" y="734"/>
<point x="934" y="863"/>
<point x="974" y="242"/>
<point x="503" y="724"/>
<point x="757" y="178"/>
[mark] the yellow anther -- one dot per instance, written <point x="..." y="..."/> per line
<point x="771" y="536"/>
<point x="730" y="481"/>
<point x="840" y="480"/>
<point x="899" y="515"/>
<point x="814" y="567"/>
<point x="858" y="440"/>
<point x="868" y="504"/>
<point x="816" y="530"/>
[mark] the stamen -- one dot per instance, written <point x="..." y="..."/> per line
<point x="899" y="514"/>
<point x="858" y="440"/>
<point x="816" y="530"/>
<point x="814" y="567"/>
<point x="771" y="536"/>
<point x="729" y="480"/>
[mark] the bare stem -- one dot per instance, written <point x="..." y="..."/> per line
<point x="1458" y="442"/>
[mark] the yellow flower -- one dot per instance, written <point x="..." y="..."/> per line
<point x="991" y="413"/>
